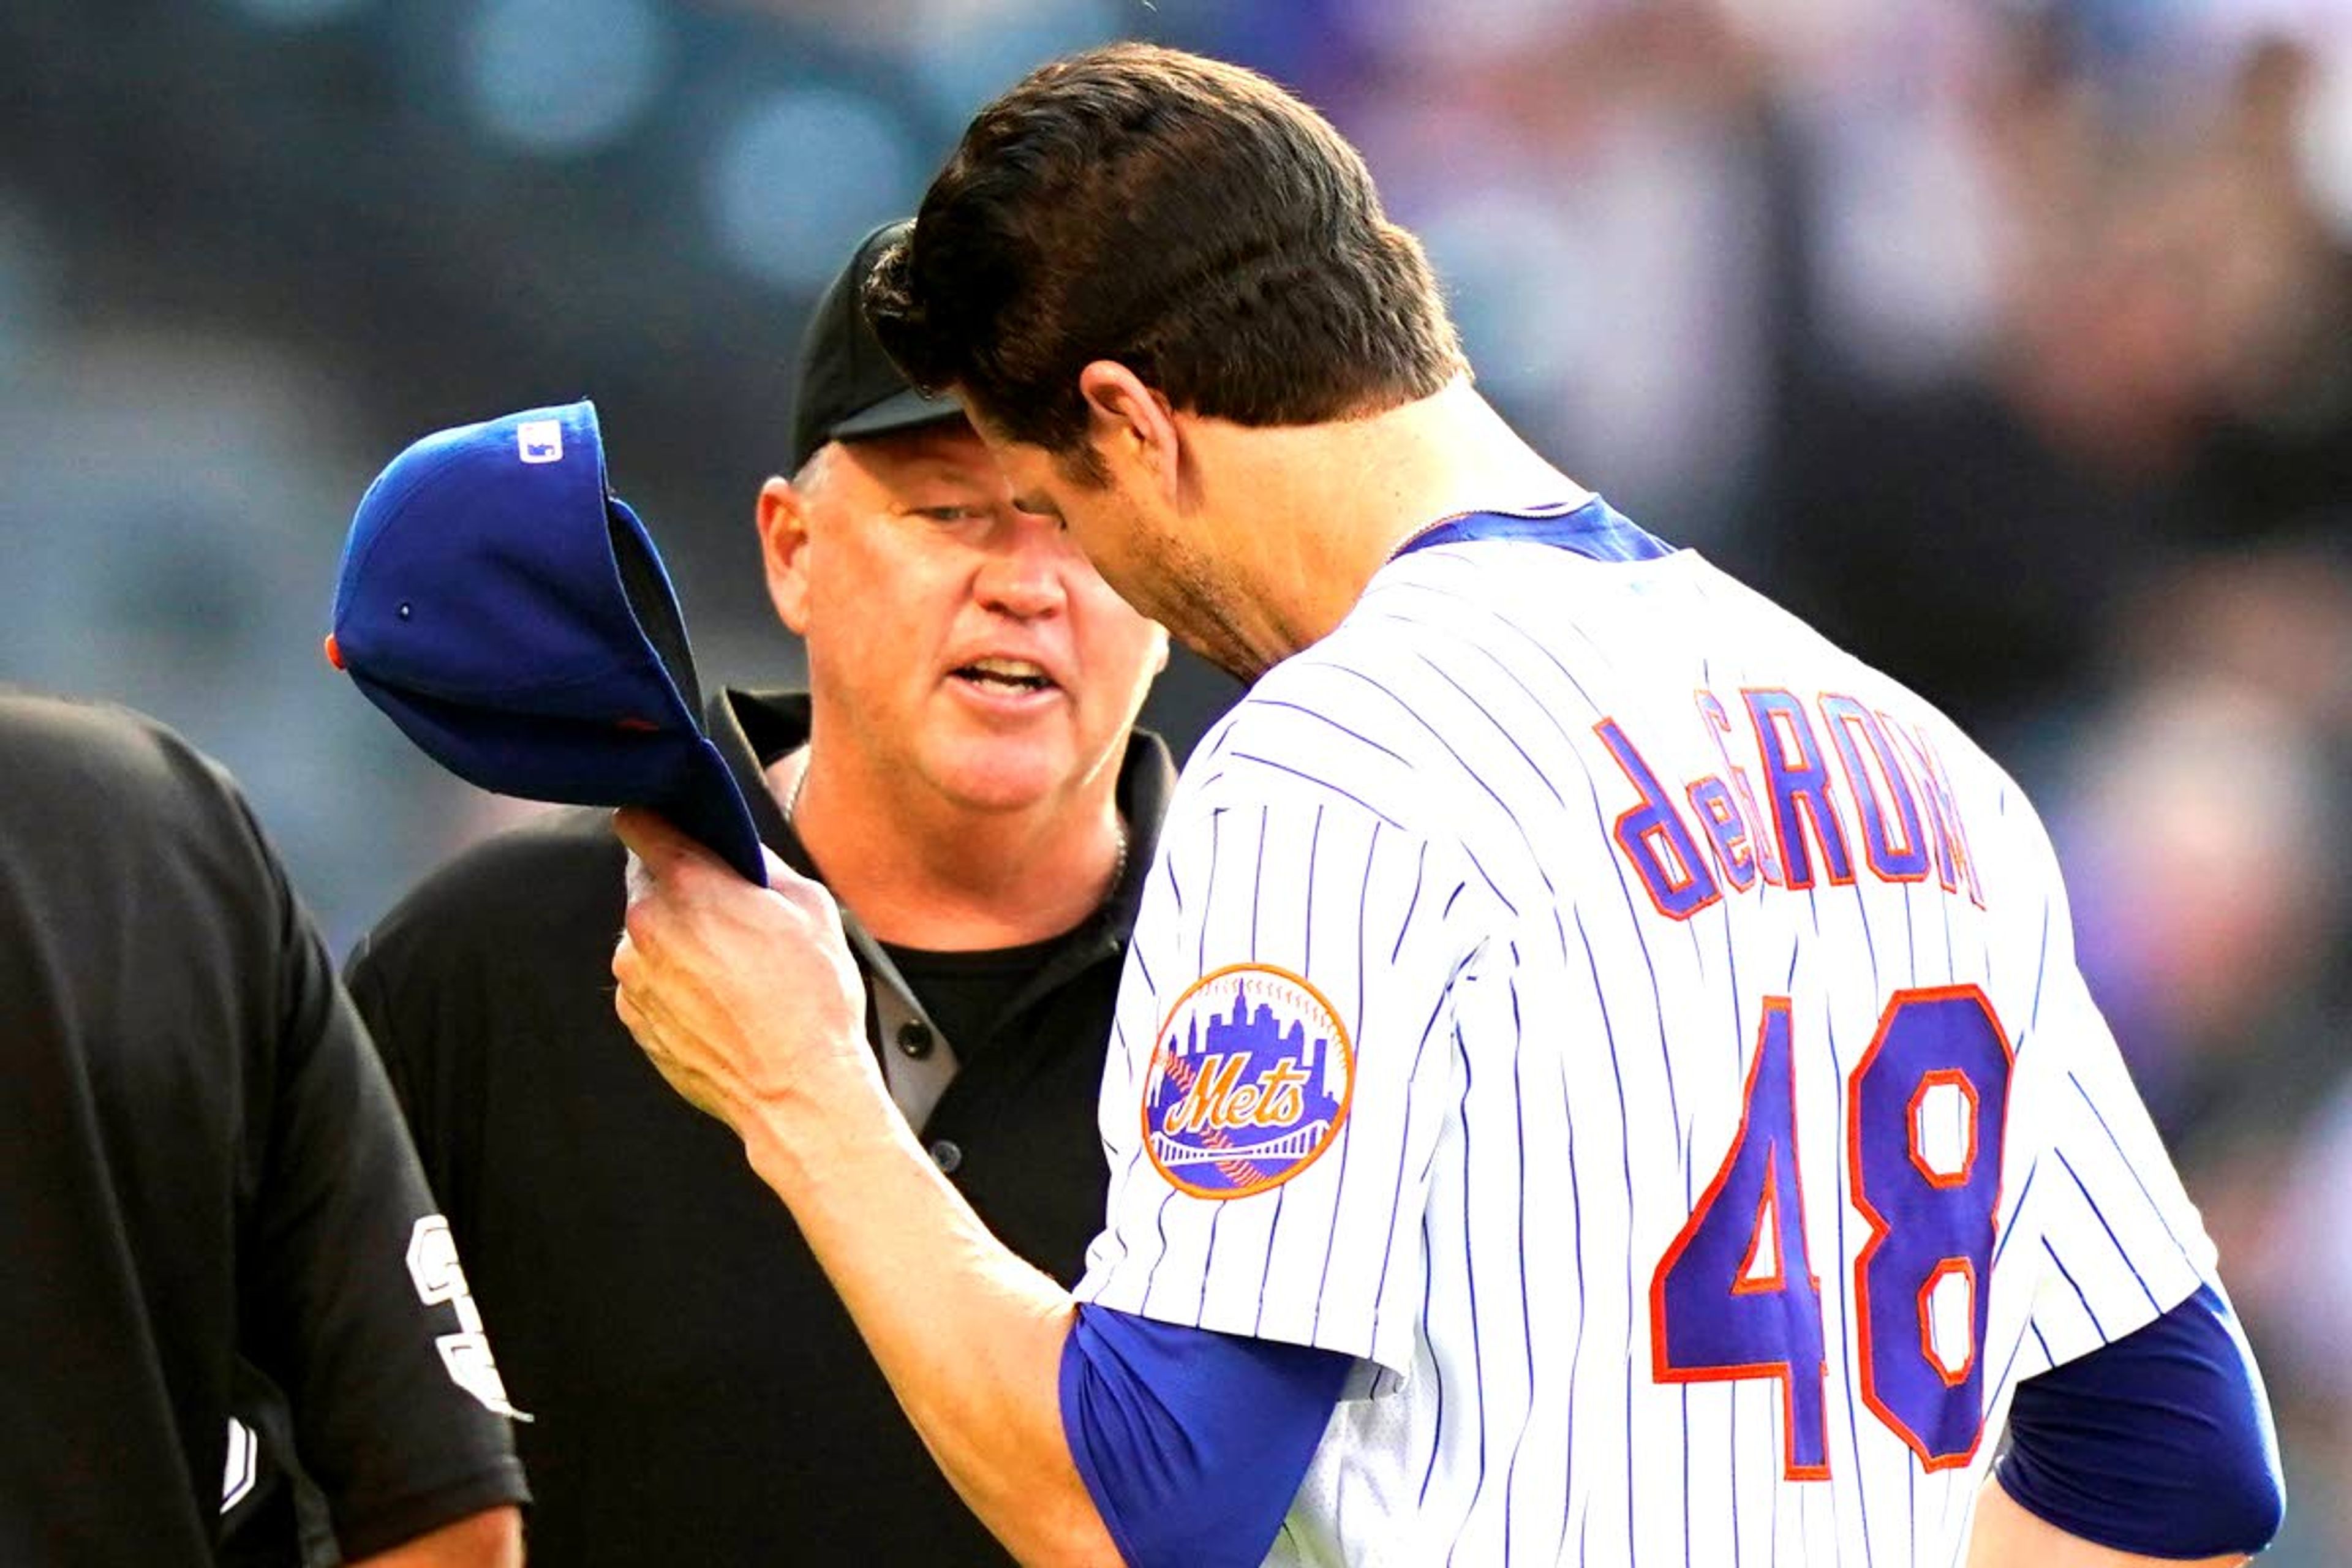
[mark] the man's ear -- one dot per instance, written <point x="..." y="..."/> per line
<point x="783" y="519"/>
<point x="1131" y="427"/>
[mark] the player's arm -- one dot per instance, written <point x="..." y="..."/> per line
<point x="2007" y="1536"/>
<point x="970" y="1336"/>
<point x="2157" y="1448"/>
<point x="491" y="1539"/>
<point x="1076" y="1435"/>
<point x="2149" y="1436"/>
<point x="350" y="1303"/>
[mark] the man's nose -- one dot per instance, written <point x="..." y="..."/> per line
<point x="1024" y="573"/>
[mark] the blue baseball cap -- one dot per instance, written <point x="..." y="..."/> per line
<point x="513" y="618"/>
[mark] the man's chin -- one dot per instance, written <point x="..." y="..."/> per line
<point x="1003" y="776"/>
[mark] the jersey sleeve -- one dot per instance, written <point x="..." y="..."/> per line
<point x="428" y="1083"/>
<point x="354" y="1302"/>
<point x="2118" y="1241"/>
<point x="1281" y="1070"/>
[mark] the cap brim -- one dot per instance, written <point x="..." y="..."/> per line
<point x="706" y="803"/>
<point x="905" y="410"/>
<point x="676" y="771"/>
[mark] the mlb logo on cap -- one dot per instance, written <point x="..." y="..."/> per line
<point x="540" y="440"/>
<point x="513" y="618"/>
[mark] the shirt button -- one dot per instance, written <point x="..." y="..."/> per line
<point x="947" y="1156"/>
<point x="915" y="1039"/>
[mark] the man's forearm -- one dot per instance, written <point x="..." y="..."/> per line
<point x="491" y="1539"/>
<point x="970" y="1335"/>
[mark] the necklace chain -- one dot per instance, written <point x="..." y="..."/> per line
<point x="792" y="801"/>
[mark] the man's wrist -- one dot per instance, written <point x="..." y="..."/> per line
<point x="796" y="1141"/>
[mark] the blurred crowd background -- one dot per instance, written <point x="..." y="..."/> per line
<point x="2011" y="342"/>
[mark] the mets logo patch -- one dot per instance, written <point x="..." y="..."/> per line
<point x="1249" y="1082"/>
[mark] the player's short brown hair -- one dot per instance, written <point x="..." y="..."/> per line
<point x="1185" y="217"/>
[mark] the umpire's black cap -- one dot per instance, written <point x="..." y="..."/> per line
<point x="848" y="388"/>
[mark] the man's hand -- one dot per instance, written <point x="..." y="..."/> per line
<point x="748" y="1001"/>
<point x="745" y="998"/>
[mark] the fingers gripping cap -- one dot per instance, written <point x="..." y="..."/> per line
<point x="515" y="621"/>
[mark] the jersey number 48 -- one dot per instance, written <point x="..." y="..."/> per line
<point x="1736" y="1296"/>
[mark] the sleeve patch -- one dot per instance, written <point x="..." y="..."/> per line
<point x="1250" y="1082"/>
<point x="439" y="1279"/>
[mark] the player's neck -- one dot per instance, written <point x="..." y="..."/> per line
<point x="1441" y="456"/>
<point x="1351" y="492"/>
<point x="919" y="870"/>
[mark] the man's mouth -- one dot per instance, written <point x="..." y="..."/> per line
<point x="1005" y="675"/>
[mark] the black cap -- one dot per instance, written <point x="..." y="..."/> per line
<point x="848" y="387"/>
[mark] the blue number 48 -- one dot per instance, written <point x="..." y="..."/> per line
<point x="1735" y="1296"/>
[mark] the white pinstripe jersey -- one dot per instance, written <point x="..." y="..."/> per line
<point x="1650" y="1041"/>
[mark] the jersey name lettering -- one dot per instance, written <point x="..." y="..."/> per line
<point x="1886" y="803"/>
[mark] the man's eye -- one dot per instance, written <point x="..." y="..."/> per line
<point x="954" y="513"/>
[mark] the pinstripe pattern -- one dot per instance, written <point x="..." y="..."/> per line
<point x="1417" y="816"/>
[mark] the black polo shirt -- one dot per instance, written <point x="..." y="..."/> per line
<point x="698" y="1393"/>
<point x="203" y="1177"/>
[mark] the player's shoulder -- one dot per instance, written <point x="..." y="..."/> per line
<point x="110" y="782"/>
<point x="1960" y="774"/>
<point x="553" y="886"/>
<point x="1360" y="692"/>
<point x="100" y="748"/>
<point x="1961" y="758"/>
<point x="1396" y="713"/>
<point x="37" y="727"/>
<point x="1315" y="729"/>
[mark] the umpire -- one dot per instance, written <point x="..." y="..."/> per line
<point x="964" y="774"/>
<point x="203" y="1178"/>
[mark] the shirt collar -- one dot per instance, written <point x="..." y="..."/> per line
<point x="752" y="728"/>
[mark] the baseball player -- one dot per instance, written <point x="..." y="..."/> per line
<point x="1601" y="1076"/>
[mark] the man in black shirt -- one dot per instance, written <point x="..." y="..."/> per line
<point x="205" y="1182"/>
<point x="964" y="775"/>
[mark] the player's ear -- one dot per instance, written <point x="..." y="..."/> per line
<point x="1132" y="426"/>
<point x="783" y="519"/>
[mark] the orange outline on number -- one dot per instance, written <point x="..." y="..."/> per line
<point x="1949" y="1268"/>
<point x="1159" y="1044"/>
<point x="1784" y="1372"/>
<point x="1898" y="999"/>
<point x="1958" y="1080"/>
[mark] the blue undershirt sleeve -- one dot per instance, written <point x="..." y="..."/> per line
<point x="2159" y="1443"/>
<point x="1190" y="1442"/>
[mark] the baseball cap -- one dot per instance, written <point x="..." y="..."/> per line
<point x="848" y="387"/>
<point x="513" y="618"/>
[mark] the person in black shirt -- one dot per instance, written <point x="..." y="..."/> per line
<point x="206" y="1188"/>
<point x="964" y="774"/>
